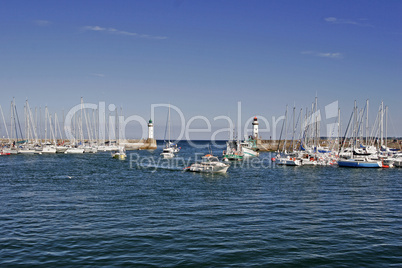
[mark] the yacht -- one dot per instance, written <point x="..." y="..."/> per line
<point x="209" y="164"/>
<point x="168" y="152"/>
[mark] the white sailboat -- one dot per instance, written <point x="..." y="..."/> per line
<point x="48" y="147"/>
<point x="170" y="148"/>
<point x="121" y="152"/>
<point x="73" y="148"/>
<point x="30" y="145"/>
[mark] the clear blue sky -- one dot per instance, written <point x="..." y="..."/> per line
<point x="202" y="56"/>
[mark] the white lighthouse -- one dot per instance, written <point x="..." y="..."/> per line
<point x="150" y="130"/>
<point x="255" y="128"/>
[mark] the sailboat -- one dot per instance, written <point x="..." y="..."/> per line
<point x="170" y="148"/>
<point x="359" y="159"/>
<point x="48" y="147"/>
<point x="30" y="145"/>
<point x="74" y="147"/>
<point x="120" y="153"/>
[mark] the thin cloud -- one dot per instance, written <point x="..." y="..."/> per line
<point x="118" y="32"/>
<point x="42" y="22"/>
<point x="331" y="55"/>
<point x="358" y="22"/>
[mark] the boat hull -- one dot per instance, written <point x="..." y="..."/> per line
<point x="214" y="169"/>
<point x="119" y="156"/>
<point x="359" y="164"/>
<point x="74" y="151"/>
<point x="249" y="153"/>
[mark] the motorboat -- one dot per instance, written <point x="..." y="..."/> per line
<point x="168" y="153"/>
<point x="209" y="164"/>
<point x="119" y="154"/>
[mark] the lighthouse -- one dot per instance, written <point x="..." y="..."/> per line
<point x="255" y="128"/>
<point x="150" y="130"/>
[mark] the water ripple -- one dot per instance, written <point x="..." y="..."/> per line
<point x="108" y="214"/>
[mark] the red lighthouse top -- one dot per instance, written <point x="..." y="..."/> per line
<point x="255" y="122"/>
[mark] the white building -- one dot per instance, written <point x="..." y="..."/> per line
<point x="255" y="128"/>
<point x="150" y="130"/>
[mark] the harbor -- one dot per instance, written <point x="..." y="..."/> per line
<point x="300" y="142"/>
<point x="200" y="133"/>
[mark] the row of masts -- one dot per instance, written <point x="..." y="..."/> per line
<point x="33" y="128"/>
<point x="305" y="129"/>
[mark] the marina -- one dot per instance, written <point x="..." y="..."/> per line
<point x="200" y="133"/>
<point x="359" y="147"/>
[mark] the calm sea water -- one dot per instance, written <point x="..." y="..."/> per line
<point x="91" y="210"/>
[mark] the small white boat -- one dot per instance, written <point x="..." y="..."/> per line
<point x="393" y="161"/>
<point x="74" y="150"/>
<point x="9" y="151"/>
<point x="209" y="164"/>
<point x="49" y="149"/>
<point x="107" y="148"/>
<point x="29" y="150"/>
<point x="61" y="149"/>
<point x="288" y="160"/>
<point x="90" y="149"/>
<point x="167" y="153"/>
<point x="120" y="154"/>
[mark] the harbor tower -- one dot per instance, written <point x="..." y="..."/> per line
<point x="255" y="128"/>
<point x="150" y="130"/>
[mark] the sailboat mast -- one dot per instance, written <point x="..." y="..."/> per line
<point x="316" y="126"/>
<point x="5" y="125"/>
<point x="355" y="126"/>
<point x="339" y="126"/>
<point x="81" y="123"/>
<point x="40" y="124"/>
<point x="46" y="119"/>
<point x="293" y="130"/>
<point x="11" y="123"/>
<point x="382" y="124"/>
<point x="301" y="126"/>
<point x="169" y="124"/>
<point x="25" y="122"/>
<point x="386" y="126"/>
<point x="286" y="129"/>
<point x="367" y="121"/>
<point x="36" y="123"/>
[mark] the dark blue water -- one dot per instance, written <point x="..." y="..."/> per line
<point x="91" y="210"/>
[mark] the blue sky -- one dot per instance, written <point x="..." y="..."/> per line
<point x="202" y="56"/>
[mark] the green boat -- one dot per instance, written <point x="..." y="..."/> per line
<point x="233" y="151"/>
